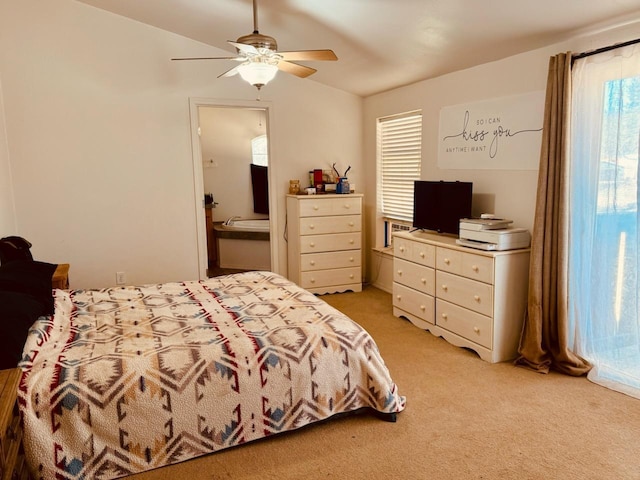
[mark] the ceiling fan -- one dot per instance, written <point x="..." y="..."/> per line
<point x="260" y="59"/>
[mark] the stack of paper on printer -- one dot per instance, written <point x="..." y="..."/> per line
<point x="492" y="234"/>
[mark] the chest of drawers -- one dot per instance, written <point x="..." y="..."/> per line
<point x="471" y="298"/>
<point x="324" y="249"/>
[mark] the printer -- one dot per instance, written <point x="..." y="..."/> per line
<point x="490" y="233"/>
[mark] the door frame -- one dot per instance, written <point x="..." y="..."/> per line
<point x="198" y="175"/>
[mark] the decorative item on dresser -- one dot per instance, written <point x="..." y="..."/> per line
<point x="12" y="464"/>
<point x="325" y="242"/>
<point x="472" y="298"/>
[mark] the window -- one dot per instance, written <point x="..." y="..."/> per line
<point x="260" y="151"/>
<point x="399" y="159"/>
<point x="604" y="262"/>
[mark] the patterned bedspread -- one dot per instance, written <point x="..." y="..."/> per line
<point x="123" y="380"/>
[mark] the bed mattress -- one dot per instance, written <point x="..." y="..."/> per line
<point x="127" y="379"/>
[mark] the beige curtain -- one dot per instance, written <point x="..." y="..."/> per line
<point x="545" y="335"/>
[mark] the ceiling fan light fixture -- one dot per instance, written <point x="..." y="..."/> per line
<point x="257" y="74"/>
<point x="259" y="40"/>
<point x="261" y="59"/>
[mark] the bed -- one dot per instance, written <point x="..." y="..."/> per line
<point x="123" y="380"/>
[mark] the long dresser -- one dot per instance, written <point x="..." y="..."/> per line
<point x="324" y="234"/>
<point x="472" y="298"/>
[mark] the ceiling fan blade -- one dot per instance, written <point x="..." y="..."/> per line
<point x="210" y="58"/>
<point x="313" y="55"/>
<point x="301" y="71"/>
<point x="244" y="48"/>
<point x="229" y="73"/>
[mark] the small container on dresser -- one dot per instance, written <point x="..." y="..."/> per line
<point x="472" y="298"/>
<point x="325" y="242"/>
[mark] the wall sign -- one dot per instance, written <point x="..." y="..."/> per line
<point x="500" y="134"/>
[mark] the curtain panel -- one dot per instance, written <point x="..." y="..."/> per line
<point x="546" y="336"/>
<point x="604" y="262"/>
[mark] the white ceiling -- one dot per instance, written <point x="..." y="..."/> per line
<point x="382" y="44"/>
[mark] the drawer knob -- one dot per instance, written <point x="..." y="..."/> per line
<point x="476" y="298"/>
<point x="447" y="261"/>
<point x="351" y="224"/>
<point x="313" y="280"/>
<point x="312" y="244"/>
<point x="351" y="276"/>
<point x="422" y="307"/>
<point x="351" y="241"/>
<point x="347" y="206"/>
<point x="312" y="226"/>
<point x="445" y="288"/>
<point x="312" y="262"/>
<point x="351" y="259"/>
<point x="400" y="272"/>
<point x="399" y="297"/>
<point x="476" y="329"/>
<point x="402" y="249"/>
<point x="421" y="254"/>
<point x="315" y="207"/>
<point x="475" y="268"/>
<point x="423" y="280"/>
<point x="444" y="316"/>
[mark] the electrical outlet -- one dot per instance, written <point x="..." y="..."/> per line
<point x="120" y="278"/>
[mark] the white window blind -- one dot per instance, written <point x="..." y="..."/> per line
<point x="399" y="159"/>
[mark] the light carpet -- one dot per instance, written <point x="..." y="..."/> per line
<point x="465" y="419"/>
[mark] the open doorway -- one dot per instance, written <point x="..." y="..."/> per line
<point x="232" y="185"/>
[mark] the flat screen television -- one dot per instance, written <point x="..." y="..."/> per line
<point x="439" y="205"/>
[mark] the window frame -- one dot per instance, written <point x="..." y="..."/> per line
<point x="398" y="165"/>
<point x="260" y="150"/>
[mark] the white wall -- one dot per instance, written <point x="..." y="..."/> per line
<point x="99" y="141"/>
<point x="7" y="210"/>
<point x="508" y="193"/>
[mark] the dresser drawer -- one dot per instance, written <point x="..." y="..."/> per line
<point x="415" y="276"/>
<point x="322" y="207"/>
<point x="328" y="260"/>
<point x="478" y="268"/>
<point x="416" y="303"/>
<point x="418" y="252"/>
<point x="448" y="260"/>
<point x="330" y="243"/>
<point x="476" y="296"/>
<point x="324" y="278"/>
<point x="468" y="265"/>
<point x="336" y="224"/>
<point x="470" y="325"/>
